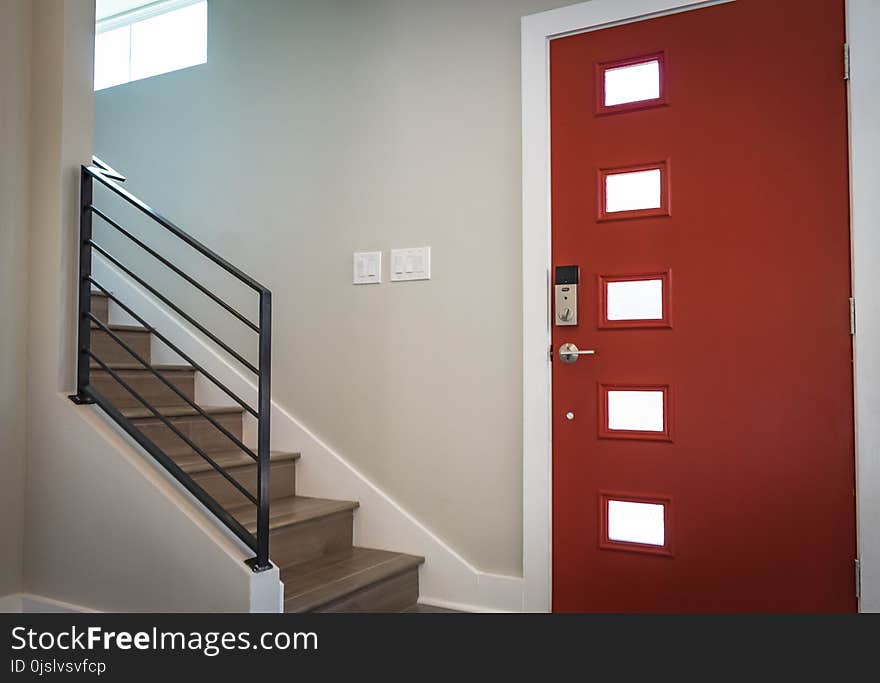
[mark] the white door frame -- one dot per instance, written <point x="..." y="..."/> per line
<point x="863" y="21"/>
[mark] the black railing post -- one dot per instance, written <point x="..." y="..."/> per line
<point x="83" y="359"/>
<point x="264" y="409"/>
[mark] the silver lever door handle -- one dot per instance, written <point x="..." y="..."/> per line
<point x="568" y="353"/>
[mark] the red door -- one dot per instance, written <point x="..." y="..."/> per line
<point x="703" y="457"/>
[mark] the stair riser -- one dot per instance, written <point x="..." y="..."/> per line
<point x="309" y="540"/>
<point x="201" y="432"/>
<point x="106" y="348"/>
<point x="100" y="308"/>
<point x="391" y="595"/>
<point x="147" y="385"/>
<point x="282" y="483"/>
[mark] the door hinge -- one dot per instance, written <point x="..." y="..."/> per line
<point x="550" y="353"/>
<point x="858" y="579"/>
<point x="846" y="61"/>
<point x="852" y="315"/>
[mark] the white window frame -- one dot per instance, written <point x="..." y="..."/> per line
<point x="153" y="9"/>
<point x="863" y="23"/>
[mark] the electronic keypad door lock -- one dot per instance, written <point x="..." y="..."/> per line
<point x="566" y="295"/>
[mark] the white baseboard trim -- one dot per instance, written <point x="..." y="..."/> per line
<point x="446" y="576"/>
<point x="460" y="606"/>
<point x="10" y="604"/>
<point x="27" y="603"/>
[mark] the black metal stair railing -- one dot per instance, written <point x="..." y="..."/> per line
<point x="88" y="322"/>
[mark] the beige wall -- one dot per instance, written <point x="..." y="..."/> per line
<point x="104" y="528"/>
<point x="321" y="128"/>
<point x="15" y="19"/>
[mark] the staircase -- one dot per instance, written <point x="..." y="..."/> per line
<point x="308" y="539"/>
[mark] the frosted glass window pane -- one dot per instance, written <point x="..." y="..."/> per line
<point x="170" y="41"/>
<point x="635" y="300"/>
<point x="640" y="411"/>
<point x="633" y="83"/>
<point x="111" y="57"/>
<point x="636" y="522"/>
<point x="632" y="191"/>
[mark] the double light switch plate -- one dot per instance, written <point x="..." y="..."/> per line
<point x="411" y="264"/>
<point x="406" y="264"/>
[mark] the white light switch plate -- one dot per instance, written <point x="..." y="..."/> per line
<point x="367" y="268"/>
<point x="411" y="264"/>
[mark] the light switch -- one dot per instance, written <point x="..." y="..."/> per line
<point x="367" y="267"/>
<point x="411" y="264"/>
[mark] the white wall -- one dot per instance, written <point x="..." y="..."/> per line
<point x="104" y="529"/>
<point x="15" y="19"/>
<point x="321" y="128"/>
<point x="863" y="24"/>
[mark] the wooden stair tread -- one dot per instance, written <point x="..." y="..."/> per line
<point x="178" y="411"/>
<point x="313" y="584"/>
<point x="292" y="510"/>
<point x="122" y="328"/>
<point x="98" y="292"/>
<point x="130" y="367"/>
<point x="193" y="464"/>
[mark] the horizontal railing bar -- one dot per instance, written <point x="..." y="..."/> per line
<point x="229" y="435"/>
<point x="102" y="178"/>
<point x="195" y="283"/>
<point x="161" y="337"/>
<point x="247" y="494"/>
<point x="174" y="307"/>
<point x="108" y="170"/>
<point x="174" y="469"/>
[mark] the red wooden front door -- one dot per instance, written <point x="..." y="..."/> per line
<point x="703" y="457"/>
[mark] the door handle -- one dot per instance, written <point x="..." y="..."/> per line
<point x="568" y="353"/>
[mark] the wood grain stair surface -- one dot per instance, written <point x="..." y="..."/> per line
<point x="193" y="464"/>
<point x="178" y="411"/>
<point x="293" y="510"/>
<point x="319" y="583"/>
<point x="152" y="387"/>
<point x="100" y="305"/>
<point x="109" y="350"/>
<point x="122" y="328"/>
<point x="137" y="367"/>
